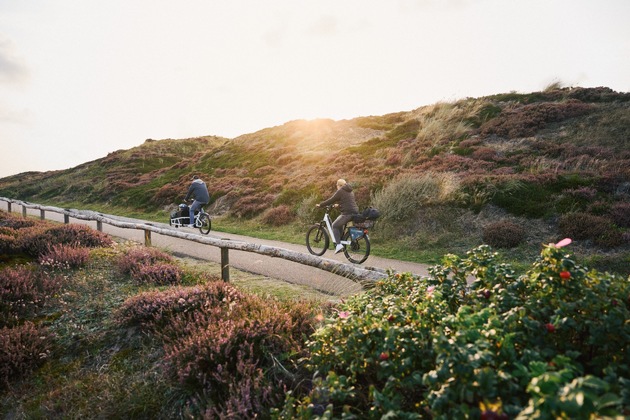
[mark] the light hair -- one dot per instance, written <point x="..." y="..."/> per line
<point x="341" y="182"/>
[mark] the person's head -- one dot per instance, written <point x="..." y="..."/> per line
<point x="195" y="177"/>
<point x="341" y="183"/>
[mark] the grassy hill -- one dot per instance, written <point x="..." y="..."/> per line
<point x="512" y="170"/>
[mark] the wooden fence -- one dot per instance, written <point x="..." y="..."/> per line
<point x="363" y="275"/>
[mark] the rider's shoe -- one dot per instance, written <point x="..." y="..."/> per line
<point x="192" y="226"/>
<point x="338" y="249"/>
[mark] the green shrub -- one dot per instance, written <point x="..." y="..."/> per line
<point x="503" y="234"/>
<point x="550" y="343"/>
<point x="401" y="199"/>
<point x="599" y="229"/>
<point x="306" y="212"/>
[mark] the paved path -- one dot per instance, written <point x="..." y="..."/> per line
<point x="267" y="266"/>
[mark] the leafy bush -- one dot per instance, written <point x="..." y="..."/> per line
<point x="22" y="290"/>
<point x="307" y="212"/>
<point x="61" y="256"/>
<point x="22" y="349"/>
<point x="278" y="216"/>
<point x="551" y="343"/>
<point x="503" y="234"/>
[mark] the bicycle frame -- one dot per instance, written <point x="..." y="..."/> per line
<point x="329" y="228"/>
<point x="355" y="239"/>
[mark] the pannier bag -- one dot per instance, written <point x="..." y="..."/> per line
<point x="366" y="219"/>
<point x="371" y="213"/>
<point x="183" y="210"/>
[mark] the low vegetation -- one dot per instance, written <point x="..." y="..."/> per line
<point x="94" y="337"/>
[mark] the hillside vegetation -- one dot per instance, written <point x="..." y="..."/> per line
<point x="511" y="170"/>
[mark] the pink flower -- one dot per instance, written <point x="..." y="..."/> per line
<point x="430" y="290"/>
<point x="344" y="314"/>
<point x="564" y="242"/>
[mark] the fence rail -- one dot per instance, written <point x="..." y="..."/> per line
<point x="362" y="275"/>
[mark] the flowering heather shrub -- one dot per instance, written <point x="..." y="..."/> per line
<point x="526" y="120"/>
<point x="159" y="274"/>
<point x="78" y="234"/>
<point x="503" y="234"/>
<point x="150" y="266"/>
<point x="620" y="214"/>
<point x="278" y="216"/>
<point x="135" y="258"/>
<point x="153" y="310"/>
<point x="64" y="257"/>
<point x="7" y="244"/>
<point x="37" y="240"/>
<point x="551" y="343"/>
<point x="23" y="289"/>
<point x="22" y="349"/>
<point x="236" y="359"/>
<point x="252" y="204"/>
<point x="599" y="229"/>
<point x="11" y="221"/>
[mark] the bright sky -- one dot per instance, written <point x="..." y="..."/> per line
<point x="82" y="78"/>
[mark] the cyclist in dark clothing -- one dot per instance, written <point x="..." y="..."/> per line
<point x="344" y="197"/>
<point x="199" y="192"/>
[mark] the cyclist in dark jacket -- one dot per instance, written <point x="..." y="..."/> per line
<point x="199" y="192"/>
<point x="344" y="197"/>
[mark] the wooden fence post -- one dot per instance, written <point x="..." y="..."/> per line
<point x="99" y="225"/>
<point x="66" y="218"/>
<point x="24" y="211"/>
<point x="9" y="206"/>
<point x="42" y="214"/>
<point x="147" y="237"/>
<point x="225" y="264"/>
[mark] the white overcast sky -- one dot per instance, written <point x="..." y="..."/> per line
<point x="82" y="78"/>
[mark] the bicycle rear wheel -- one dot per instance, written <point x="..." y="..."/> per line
<point x="359" y="249"/>
<point x="317" y="240"/>
<point x="206" y="224"/>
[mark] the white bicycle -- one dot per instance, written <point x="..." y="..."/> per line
<point x="354" y="238"/>
<point x="202" y="219"/>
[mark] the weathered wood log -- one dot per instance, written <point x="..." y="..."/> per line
<point x="363" y="275"/>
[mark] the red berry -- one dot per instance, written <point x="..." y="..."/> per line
<point x="391" y="318"/>
<point x="384" y="356"/>
<point x="565" y="275"/>
<point x="550" y="327"/>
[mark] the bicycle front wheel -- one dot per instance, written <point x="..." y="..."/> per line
<point x="317" y="240"/>
<point x="206" y="224"/>
<point x="359" y="249"/>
